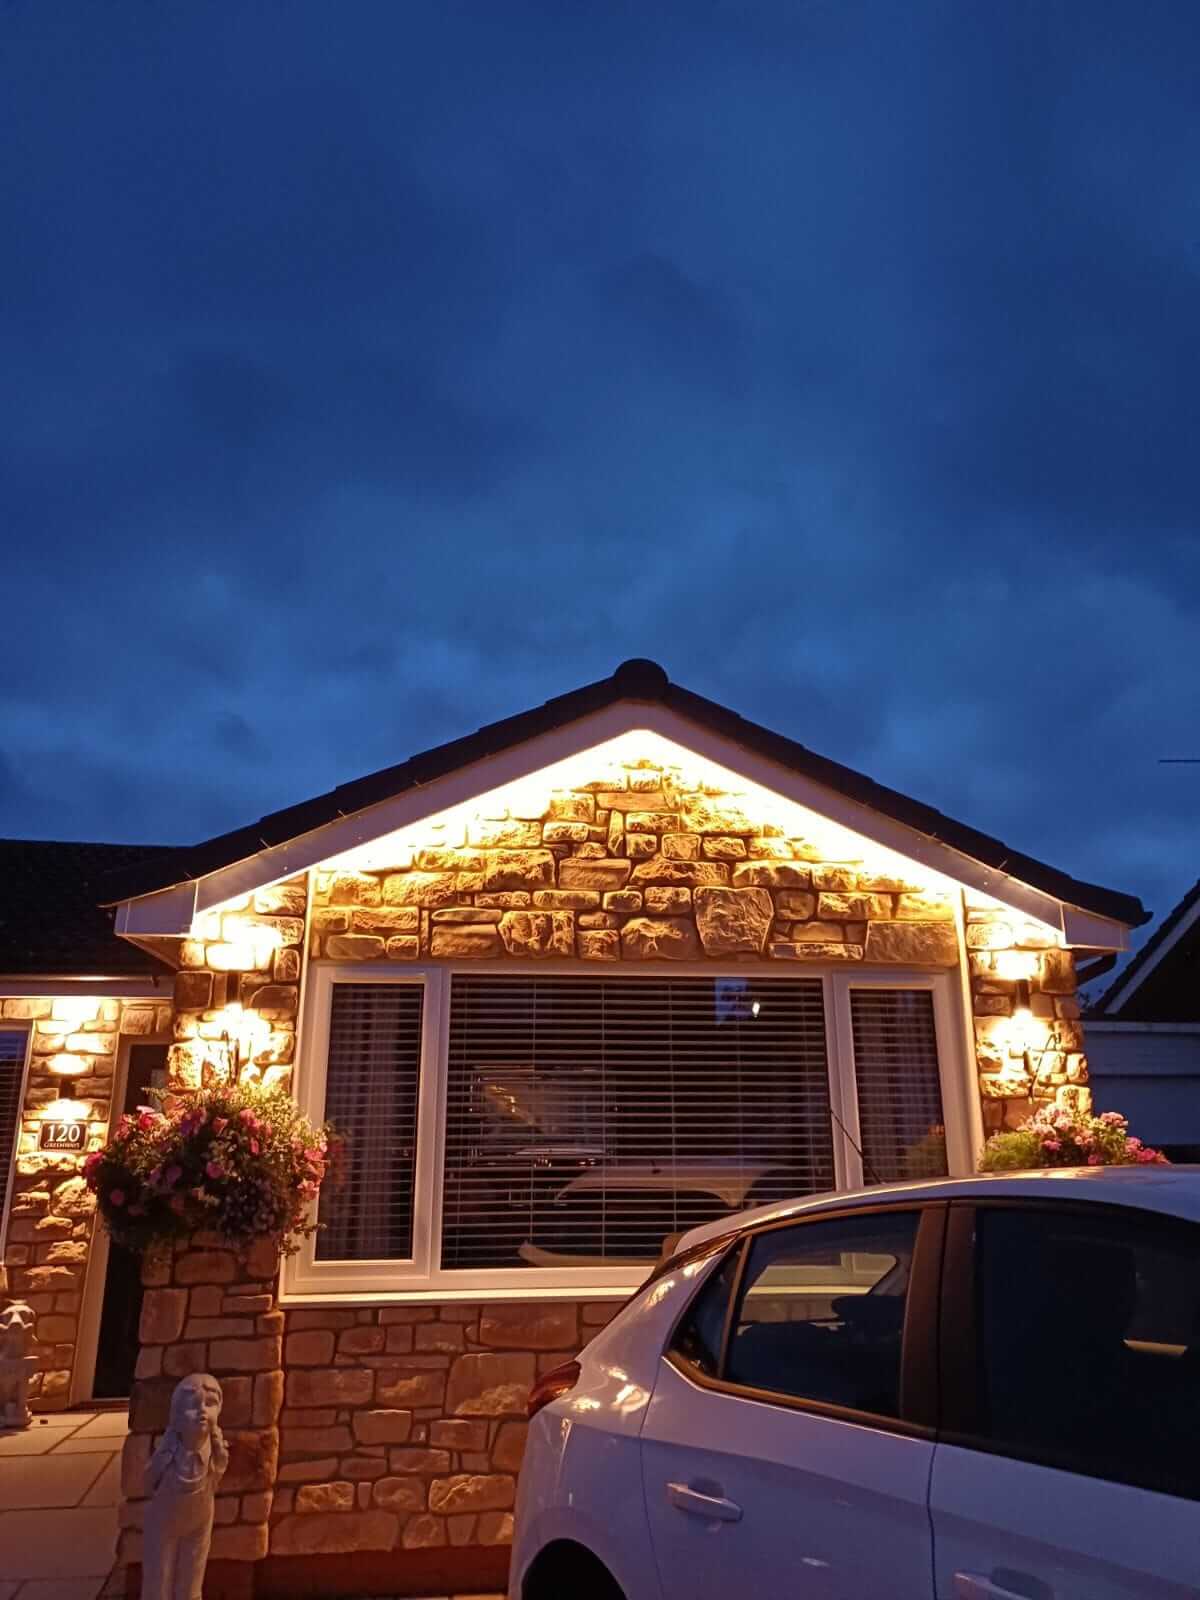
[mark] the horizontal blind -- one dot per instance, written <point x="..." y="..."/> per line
<point x="13" y="1043"/>
<point x="589" y="1118"/>
<point x="371" y="1092"/>
<point x="900" y="1114"/>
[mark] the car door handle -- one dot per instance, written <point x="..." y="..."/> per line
<point x="974" y="1586"/>
<point x="714" y="1507"/>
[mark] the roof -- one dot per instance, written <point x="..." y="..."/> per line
<point x="1161" y="983"/>
<point x="635" y="681"/>
<point x="1172" y="1190"/>
<point x="51" y="922"/>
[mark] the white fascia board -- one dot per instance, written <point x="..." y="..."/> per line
<point x="168" y="912"/>
<point x="1137" y="977"/>
<point x="176" y="906"/>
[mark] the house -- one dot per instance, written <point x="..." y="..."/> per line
<point x="571" y="984"/>
<point x="1144" y="1036"/>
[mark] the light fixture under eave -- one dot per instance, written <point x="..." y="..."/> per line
<point x="67" y="1066"/>
<point x="67" y="1111"/>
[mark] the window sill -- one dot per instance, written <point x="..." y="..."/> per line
<point x="435" y="1295"/>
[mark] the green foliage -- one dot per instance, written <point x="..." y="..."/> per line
<point x="238" y="1160"/>
<point x="1057" y="1137"/>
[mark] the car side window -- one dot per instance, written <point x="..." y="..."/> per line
<point x="699" y="1337"/>
<point x="1089" y="1343"/>
<point x="820" y="1314"/>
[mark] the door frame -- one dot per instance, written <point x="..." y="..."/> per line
<point x="87" y="1338"/>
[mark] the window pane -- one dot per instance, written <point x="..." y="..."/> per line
<point x="698" y="1339"/>
<point x="899" y="1086"/>
<point x="371" y="1094"/>
<point x="822" y="1313"/>
<point x="589" y="1119"/>
<point x="12" y="1066"/>
<point x="1090" y="1343"/>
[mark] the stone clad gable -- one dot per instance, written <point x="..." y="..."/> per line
<point x="642" y="865"/>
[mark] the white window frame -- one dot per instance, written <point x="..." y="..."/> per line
<point x="305" y="1279"/>
<point x="8" y="1180"/>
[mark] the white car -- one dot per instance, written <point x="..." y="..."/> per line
<point x="976" y="1389"/>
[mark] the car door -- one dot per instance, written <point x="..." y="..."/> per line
<point x="787" y="1446"/>
<point x="1070" y="1464"/>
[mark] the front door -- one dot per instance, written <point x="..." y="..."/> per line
<point x="117" y="1347"/>
<point x="777" y="1457"/>
<point x="1072" y="1406"/>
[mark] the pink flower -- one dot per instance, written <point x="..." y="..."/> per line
<point x="214" y="1169"/>
<point x="1095" y="1159"/>
<point x="1051" y="1144"/>
<point x="147" y="1119"/>
<point x="1144" y="1156"/>
<point x="173" y="1175"/>
<point x="1114" y="1119"/>
<point x="92" y="1162"/>
<point x="116" y="1197"/>
<point x="220" y="1124"/>
<point x="247" y="1116"/>
<point x="254" y="1147"/>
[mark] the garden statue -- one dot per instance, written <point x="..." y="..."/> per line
<point x="182" y="1478"/>
<point x="17" y="1364"/>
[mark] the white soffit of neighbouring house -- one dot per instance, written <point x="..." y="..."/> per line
<point x="519" y="779"/>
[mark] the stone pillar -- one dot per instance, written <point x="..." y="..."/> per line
<point x="207" y="1309"/>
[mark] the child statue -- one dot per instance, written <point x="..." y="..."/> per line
<point x="18" y="1363"/>
<point x="183" y="1475"/>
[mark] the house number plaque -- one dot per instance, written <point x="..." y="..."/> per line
<point x="62" y="1136"/>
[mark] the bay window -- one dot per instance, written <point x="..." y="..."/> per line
<point x="529" y="1131"/>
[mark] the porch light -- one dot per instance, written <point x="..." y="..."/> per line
<point x="244" y="1033"/>
<point x="1016" y="966"/>
<point x="67" y="1066"/>
<point x="66" y="1111"/>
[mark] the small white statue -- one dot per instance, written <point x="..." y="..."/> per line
<point x="183" y="1475"/>
<point x="18" y="1363"/>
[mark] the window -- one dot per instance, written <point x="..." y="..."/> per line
<point x="821" y="1315"/>
<point x="591" y="1119"/>
<point x="371" y="1090"/>
<point x="13" y="1044"/>
<point x="899" y="1084"/>
<point x="1089" y="1343"/>
<point x="564" y="1126"/>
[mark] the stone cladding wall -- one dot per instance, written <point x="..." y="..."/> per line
<point x="249" y="953"/>
<point x="52" y="1217"/>
<point x="207" y="1309"/>
<point x="1044" y="1061"/>
<point x="641" y="865"/>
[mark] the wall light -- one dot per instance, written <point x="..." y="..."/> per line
<point x="244" y="1034"/>
<point x="67" y="1066"/>
<point x="1016" y="966"/>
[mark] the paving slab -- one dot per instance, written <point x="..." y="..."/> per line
<point x="78" y="1543"/>
<point x="106" y="1491"/>
<point x="30" y="1442"/>
<point x="106" y="1425"/>
<point x="36" y="1482"/>
<point x="60" y="1589"/>
<point x="78" y="1444"/>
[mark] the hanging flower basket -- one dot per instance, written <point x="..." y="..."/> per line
<point x="236" y="1160"/>
<point x="1057" y="1137"/>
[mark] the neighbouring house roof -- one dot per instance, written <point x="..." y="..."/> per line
<point x="1162" y="982"/>
<point x="51" y="922"/>
<point x="640" y="682"/>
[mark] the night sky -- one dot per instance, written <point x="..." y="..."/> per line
<point x="374" y="370"/>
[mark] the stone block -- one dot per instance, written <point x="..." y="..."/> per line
<point x="602" y="874"/>
<point x="733" y="921"/>
<point x="845" y="907"/>
<point x="383" y="1426"/>
<point x="193" y="990"/>
<point x="411" y="1389"/>
<point x="532" y="1325"/>
<point x="428" y="889"/>
<point x="464" y="1491"/>
<point x="816" y="933"/>
<point x="465" y="942"/>
<point x="365" y="1340"/>
<point x="338" y="1386"/>
<point x="930" y="944"/>
<point x="772" y="875"/>
<point x="310" y="1349"/>
<point x="456" y="860"/>
<point x="566" y="899"/>
<point x="623" y="900"/>
<point x="495" y="1527"/>
<point x="445" y="1338"/>
<point x="243" y="1542"/>
<point x="163" y="1314"/>
<point x="385" y="920"/>
<point x="354" y="947"/>
<point x="519" y="869"/>
<point x="709" y="814"/>
<point x="924" y="907"/>
<point x="665" y="900"/>
<point x="400" y="1493"/>
<point x="487" y="1385"/>
<point x="466" y="914"/>
<point x="307" y="1471"/>
<point x="280" y="900"/>
<point x="787" y="950"/>
<point x="653" y="822"/>
<point x="566" y="833"/>
<point x="660" y="939"/>
<point x="662" y="870"/>
<point x="538" y="933"/>
<point x="335" y="1496"/>
<point x="334" y="1533"/>
<point x="403" y="947"/>
<point x="509" y="1448"/>
<point x="244" y="1355"/>
<point x="424" y="1533"/>
<point x="681" y="846"/>
<point x="419" y="1461"/>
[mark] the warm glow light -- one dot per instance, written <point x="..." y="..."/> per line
<point x="73" y="1011"/>
<point x="66" y="1111"/>
<point x="1015" y="966"/>
<point x="67" y="1066"/>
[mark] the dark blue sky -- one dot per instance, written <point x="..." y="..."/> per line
<point x="374" y="370"/>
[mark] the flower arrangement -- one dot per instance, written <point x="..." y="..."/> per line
<point x="238" y="1160"/>
<point x="1058" y="1137"/>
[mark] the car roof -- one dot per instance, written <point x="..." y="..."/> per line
<point x="1171" y="1190"/>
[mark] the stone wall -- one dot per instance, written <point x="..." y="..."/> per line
<point x="1023" y="1062"/>
<point x="51" y="1221"/>
<point x="249" y="953"/>
<point x="207" y="1309"/>
<point x="641" y="865"/>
